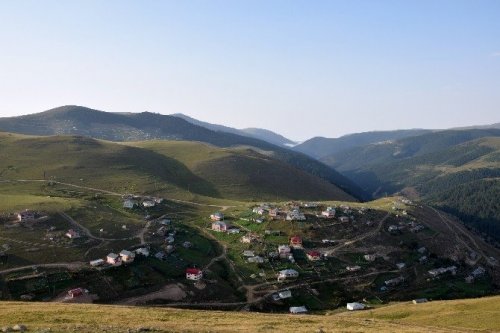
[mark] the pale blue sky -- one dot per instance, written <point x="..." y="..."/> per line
<point x="301" y="68"/>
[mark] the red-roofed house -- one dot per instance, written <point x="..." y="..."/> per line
<point x="313" y="255"/>
<point x="194" y="274"/>
<point x="296" y="242"/>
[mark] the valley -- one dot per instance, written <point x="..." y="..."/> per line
<point x="373" y="252"/>
<point x="236" y="226"/>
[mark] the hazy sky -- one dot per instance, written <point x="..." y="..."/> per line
<point x="301" y="68"/>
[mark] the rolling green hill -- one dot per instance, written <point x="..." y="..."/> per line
<point x="186" y="168"/>
<point x="454" y="170"/>
<point x="81" y="121"/>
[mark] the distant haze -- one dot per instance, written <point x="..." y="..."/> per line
<point x="299" y="68"/>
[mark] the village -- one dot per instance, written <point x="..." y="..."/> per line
<point x="295" y="256"/>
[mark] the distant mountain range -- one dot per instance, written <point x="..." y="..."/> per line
<point x="257" y="133"/>
<point x="455" y="170"/>
<point x="82" y="121"/>
<point x="320" y="147"/>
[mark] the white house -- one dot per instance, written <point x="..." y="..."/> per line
<point x="114" y="259"/>
<point x="256" y="260"/>
<point x="97" y="262"/>
<point x="217" y="216"/>
<point x="129" y="203"/>
<point x="284" y="251"/>
<point x="142" y="251"/>
<point x="353" y="268"/>
<point x="298" y="309"/>
<point x="287" y="274"/>
<point x="127" y="256"/>
<point x="329" y="212"/>
<point x="343" y="219"/>
<point x="355" y="306"/>
<point x="248" y="253"/>
<point x="219" y="226"/>
<point x="148" y="203"/>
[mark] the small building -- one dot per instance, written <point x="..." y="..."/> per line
<point x="393" y="228"/>
<point x="296" y="242"/>
<point x="256" y="260"/>
<point x="285" y="294"/>
<point x="284" y="251"/>
<point x="249" y="238"/>
<point x="248" y="253"/>
<point x="113" y="259"/>
<point x="343" y="219"/>
<point x="394" y="282"/>
<point x="129" y="203"/>
<point x="73" y="293"/>
<point x="96" y="263"/>
<point x="274" y="212"/>
<point x="72" y="234"/>
<point x="295" y="215"/>
<point x="160" y="255"/>
<point x="420" y="300"/>
<point x="217" y="216"/>
<point x="298" y="309"/>
<point x="370" y="257"/>
<point x="442" y="270"/>
<point x="127" y="256"/>
<point x="422" y="250"/>
<point x="478" y="272"/>
<point x="355" y="306"/>
<point x="26" y="215"/>
<point x="148" y="203"/>
<point x="328" y="213"/>
<point x="313" y="255"/>
<point x="194" y="274"/>
<point x="400" y="265"/>
<point x="142" y="251"/>
<point x="259" y="210"/>
<point x="353" y="268"/>
<point x="233" y="231"/>
<point x="219" y="226"/>
<point x="287" y="274"/>
<point x="165" y="222"/>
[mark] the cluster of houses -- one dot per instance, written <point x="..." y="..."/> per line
<point x="124" y="257"/>
<point x="133" y="201"/>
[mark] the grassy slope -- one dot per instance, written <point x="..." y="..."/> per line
<point x="244" y="174"/>
<point x="443" y="316"/>
<point x="164" y="167"/>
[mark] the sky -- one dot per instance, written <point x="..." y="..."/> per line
<point x="300" y="68"/>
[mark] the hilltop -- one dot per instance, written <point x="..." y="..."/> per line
<point x="123" y="127"/>
<point x="445" y="316"/>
